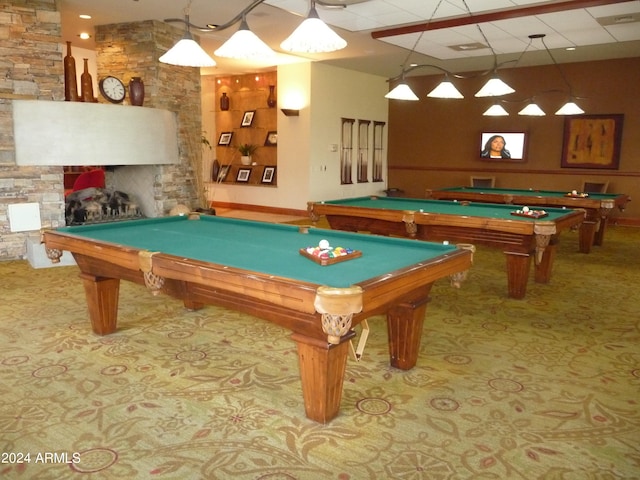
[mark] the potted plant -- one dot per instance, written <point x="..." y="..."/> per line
<point x="246" y="150"/>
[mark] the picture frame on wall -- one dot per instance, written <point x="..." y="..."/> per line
<point x="271" y="140"/>
<point x="269" y="175"/>
<point x="503" y="146"/>
<point x="243" y="175"/>
<point x="592" y="141"/>
<point x="247" y="118"/>
<point x="222" y="173"/>
<point x="225" y="139"/>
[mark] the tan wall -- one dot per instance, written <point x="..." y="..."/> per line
<point x="433" y="143"/>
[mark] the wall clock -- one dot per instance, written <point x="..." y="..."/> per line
<point x="112" y="89"/>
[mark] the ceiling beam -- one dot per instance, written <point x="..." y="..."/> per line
<point x="493" y="16"/>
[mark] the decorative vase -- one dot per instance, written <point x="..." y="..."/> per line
<point x="70" y="80"/>
<point x="224" y="102"/>
<point x="136" y="91"/>
<point x="86" y="84"/>
<point x="245" y="160"/>
<point x="271" y="99"/>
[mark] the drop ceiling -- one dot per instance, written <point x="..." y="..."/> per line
<point x="454" y="38"/>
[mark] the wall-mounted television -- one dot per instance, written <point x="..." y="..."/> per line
<point x="503" y="146"/>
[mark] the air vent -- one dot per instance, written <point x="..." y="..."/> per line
<point x="623" y="19"/>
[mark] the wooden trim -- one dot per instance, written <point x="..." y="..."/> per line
<point x="519" y="171"/>
<point x="493" y="16"/>
<point x="260" y="208"/>
<point x="624" y="222"/>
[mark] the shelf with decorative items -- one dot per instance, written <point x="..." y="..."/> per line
<point x="246" y="124"/>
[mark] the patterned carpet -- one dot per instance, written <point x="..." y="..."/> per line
<point x="542" y="388"/>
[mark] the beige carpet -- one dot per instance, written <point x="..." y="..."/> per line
<point x="542" y="388"/>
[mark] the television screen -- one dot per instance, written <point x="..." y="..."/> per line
<point x="503" y="145"/>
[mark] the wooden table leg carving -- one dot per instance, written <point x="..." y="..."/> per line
<point x="153" y="282"/>
<point x="457" y="278"/>
<point x="410" y="224"/>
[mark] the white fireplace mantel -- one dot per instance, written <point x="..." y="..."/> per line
<point x="77" y="133"/>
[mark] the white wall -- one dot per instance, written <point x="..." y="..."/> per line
<point x="339" y="93"/>
<point x="307" y="169"/>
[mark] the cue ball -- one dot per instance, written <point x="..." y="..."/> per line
<point x="525" y="209"/>
<point x="323" y="244"/>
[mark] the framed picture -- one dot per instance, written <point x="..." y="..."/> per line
<point x="592" y="141"/>
<point x="503" y="146"/>
<point x="268" y="175"/>
<point x="271" y="140"/>
<point x="222" y="173"/>
<point x="225" y="139"/>
<point x="243" y="175"/>
<point x="247" y="118"/>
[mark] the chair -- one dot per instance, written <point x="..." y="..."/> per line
<point x="483" y="182"/>
<point x="592" y="186"/>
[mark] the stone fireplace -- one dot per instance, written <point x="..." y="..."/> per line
<point x="35" y="73"/>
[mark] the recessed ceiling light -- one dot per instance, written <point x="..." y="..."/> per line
<point x="84" y="36"/>
<point x="85" y="17"/>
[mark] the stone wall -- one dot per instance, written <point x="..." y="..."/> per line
<point x="31" y="56"/>
<point x="31" y="65"/>
<point x="132" y="50"/>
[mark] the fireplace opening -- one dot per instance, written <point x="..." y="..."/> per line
<point x="110" y="194"/>
<point x="100" y="205"/>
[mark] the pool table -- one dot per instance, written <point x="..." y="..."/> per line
<point x="257" y="268"/>
<point x="476" y="223"/>
<point x="597" y="206"/>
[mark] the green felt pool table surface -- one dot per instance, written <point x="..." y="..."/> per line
<point x="529" y="193"/>
<point x="496" y="211"/>
<point x="263" y="247"/>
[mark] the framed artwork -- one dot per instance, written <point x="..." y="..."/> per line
<point x="243" y="175"/>
<point x="268" y="175"/>
<point x="503" y="146"/>
<point x="271" y="140"/>
<point x="222" y="173"/>
<point x="247" y="118"/>
<point x="592" y="141"/>
<point x="225" y="139"/>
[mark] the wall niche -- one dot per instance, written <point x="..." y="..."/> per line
<point x="246" y="113"/>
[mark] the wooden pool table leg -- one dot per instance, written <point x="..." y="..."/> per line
<point x="543" y="268"/>
<point x="102" y="299"/>
<point x="404" y="327"/>
<point x="587" y="235"/>
<point x="518" y="266"/>
<point x="322" y="368"/>
<point x="599" y="235"/>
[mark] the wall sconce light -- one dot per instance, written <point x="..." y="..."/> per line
<point x="290" y="112"/>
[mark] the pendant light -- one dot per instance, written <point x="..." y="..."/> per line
<point x="445" y="89"/>
<point x="532" y="110"/>
<point x="244" y="45"/>
<point x="402" y="91"/>
<point x="187" y="52"/>
<point x="313" y="36"/>
<point x="496" y="110"/>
